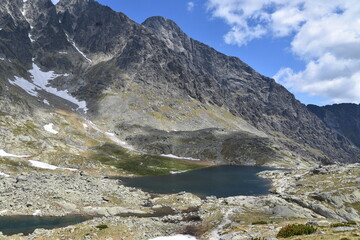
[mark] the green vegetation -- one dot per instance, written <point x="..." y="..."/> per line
<point x="295" y="229"/>
<point x="344" y="224"/>
<point x="6" y="161"/>
<point x="102" y="226"/>
<point x="345" y="238"/>
<point x="26" y="129"/>
<point x="259" y="223"/>
<point x="139" y="164"/>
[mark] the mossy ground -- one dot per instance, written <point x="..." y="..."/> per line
<point x="140" y="164"/>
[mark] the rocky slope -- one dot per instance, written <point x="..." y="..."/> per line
<point x="326" y="197"/>
<point x="343" y="118"/>
<point x="151" y="83"/>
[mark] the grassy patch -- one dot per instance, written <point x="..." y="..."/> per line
<point x="344" y="224"/>
<point x="6" y="161"/>
<point x="26" y="129"/>
<point x="259" y="223"/>
<point x="295" y="230"/>
<point x="355" y="205"/>
<point x="102" y="226"/>
<point x="143" y="165"/>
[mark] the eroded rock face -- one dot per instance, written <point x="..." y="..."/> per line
<point x="343" y="118"/>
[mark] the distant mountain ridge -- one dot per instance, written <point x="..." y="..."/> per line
<point x="157" y="88"/>
<point x="343" y="118"/>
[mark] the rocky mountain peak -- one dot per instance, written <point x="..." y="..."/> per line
<point x="74" y="2"/>
<point x="170" y="32"/>
<point x="161" y="24"/>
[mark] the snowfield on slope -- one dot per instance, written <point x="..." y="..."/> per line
<point x="48" y="166"/>
<point x="111" y="136"/>
<point x="121" y="143"/>
<point x="40" y="81"/>
<point x="177" y="157"/>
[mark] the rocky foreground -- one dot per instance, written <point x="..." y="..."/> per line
<point x="321" y="196"/>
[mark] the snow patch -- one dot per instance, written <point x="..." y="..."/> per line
<point x="37" y="213"/>
<point x="123" y="144"/>
<point x="3" y="211"/>
<point x="50" y="129"/>
<point x="77" y="49"/>
<point x="2" y="59"/>
<point x="46" y="102"/>
<point x="85" y="125"/>
<point x="32" y="40"/>
<point x="4" y="175"/>
<point x="40" y="81"/>
<point x="94" y="126"/>
<point x="25" y="85"/>
<point x="113" y="137"/>
<point x="42" y="165"/>
<point x="175" y="237"/>
<point x="176" y="172"/>
<point x="177" y="157"/>
<point x="48" y="166"/>
<point x="5" y="154"/>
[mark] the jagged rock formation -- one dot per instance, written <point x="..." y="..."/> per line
<point x="156" y="87"/>
<point x="343" y="118"/>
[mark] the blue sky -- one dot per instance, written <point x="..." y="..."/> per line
<point x="279" y="40"/>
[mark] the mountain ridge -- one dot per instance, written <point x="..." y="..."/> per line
<point x="151" y="81"/>
<point x="343" y="118"/>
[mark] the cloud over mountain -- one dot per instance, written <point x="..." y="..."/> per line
<point x="325" y="34"/>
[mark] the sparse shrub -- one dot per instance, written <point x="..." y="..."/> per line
<point x="344" y="238"/>
<point x="102" y="226"/>
<point x="259" y="223"/>
<point x="295" y="230"/>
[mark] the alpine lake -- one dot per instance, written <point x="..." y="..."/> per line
<point x="219" y="181"/>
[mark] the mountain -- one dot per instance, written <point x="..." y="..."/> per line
<point x="156" y="88"/>
<point x="342" y="118"/>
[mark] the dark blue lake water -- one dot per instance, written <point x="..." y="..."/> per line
<point x="219" y="181"/>
<point x="10" y="225"/>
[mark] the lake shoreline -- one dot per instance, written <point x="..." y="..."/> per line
<point x="65" y="193"/>
<point x="242" y="180"/>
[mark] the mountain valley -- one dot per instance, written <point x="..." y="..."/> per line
<point x="87" y="94"/>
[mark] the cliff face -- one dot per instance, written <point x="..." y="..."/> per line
<point x="158" y="88"/>
<point x="343" y="118"/>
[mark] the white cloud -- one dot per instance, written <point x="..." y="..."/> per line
<point x="325" y="34"/>
<point x="337" y="79"/>
<point x="190" y="6"/>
